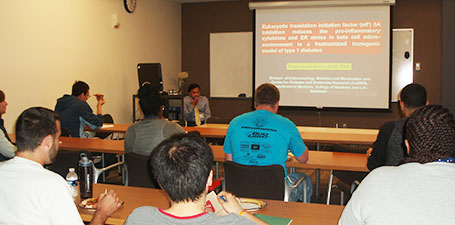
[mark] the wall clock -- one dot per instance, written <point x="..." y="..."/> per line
<point x="130" y="5"/>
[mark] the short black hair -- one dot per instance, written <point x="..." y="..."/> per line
<point x="79" y="87"/>
<point x="2" y="96"/>
<point x="431" y="134"/>
<point x="266" y="94"/>
<point x="33" y="125"/>
<point x="181" y="164"/>
<point x="413" y="96"/>
<point x="149" y="99"/>
<point x="193" y="86"/>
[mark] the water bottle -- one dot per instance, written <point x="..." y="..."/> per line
<point x="71" y="178"/>
<point x="85" y="177"/>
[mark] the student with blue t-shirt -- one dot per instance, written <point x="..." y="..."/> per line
<point x="263" y="138"/>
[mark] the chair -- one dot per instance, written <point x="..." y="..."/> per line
<point x="107" y="118"/>
<point x="139" y="174"/>
<point x="70" y="159"/>
<point x="347" y="180"/>
<point x="65" y="159"/>
<point x="65" y="131"/>
<point x="97" y="172"/>
<point x="267" y="182"/>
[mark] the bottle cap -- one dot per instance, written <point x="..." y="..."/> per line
<point x="71" y="170"/>
<point x="84" y="162"/>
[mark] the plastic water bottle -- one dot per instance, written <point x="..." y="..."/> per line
<point x="71" y="178"/>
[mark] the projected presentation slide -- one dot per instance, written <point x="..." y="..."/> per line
<point x="325" y="56"/>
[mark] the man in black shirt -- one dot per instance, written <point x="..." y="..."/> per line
<point x="389" y="148"/>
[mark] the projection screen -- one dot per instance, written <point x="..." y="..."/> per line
<point x="325" y="55"/>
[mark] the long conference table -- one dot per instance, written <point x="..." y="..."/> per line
<point x="300" y="213"/>
<point x="317" y="159"/>
<point x="309" y="134"/>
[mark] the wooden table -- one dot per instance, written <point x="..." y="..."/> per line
<point x="88" y="144"/>
<point x="92" y="145"/>
<point x="317" y="160"/>
<point x="309" y="134"/>
<point x="112" y="127"/>
<point x="301" y="213"/>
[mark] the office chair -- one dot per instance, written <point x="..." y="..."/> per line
<point x="97" y="172"/>
<point x="107" y="118"/>
<point x="267" y="182"/>
<point x="65" y="159"/>
<point x="139" y="172"/>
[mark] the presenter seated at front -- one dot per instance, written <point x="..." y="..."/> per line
<point x="419" y="191"/>
<point x="263" y="138"/>
<point x="196" y="107"/>
<point x="7" y="149"/>
<point x="31" y="194"/>
<point x="142" y="137"/>
<point x="182" y="165"/>
<point x="76" y="112"/>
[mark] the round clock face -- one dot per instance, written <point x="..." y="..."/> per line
<point x="130" y="5"/>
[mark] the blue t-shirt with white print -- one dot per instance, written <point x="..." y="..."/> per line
<point x="262" y="138"/>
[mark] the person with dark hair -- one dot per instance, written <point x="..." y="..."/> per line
<point x="142" y="137"/>
<point x="196" y="107"/>
<point x="263" y="138"/>
<point x="31" y="194"/>
<point x="7" y="149"/>
<point x="76" y="112"/>
<point x="182" y="165"/>
<point x="389" y="148"/>
<point x="420" y="191"/>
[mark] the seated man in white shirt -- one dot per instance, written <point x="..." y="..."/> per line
<point x="420" y="191"/>
<point x="31" y="194"/>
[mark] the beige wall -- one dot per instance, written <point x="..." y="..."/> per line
<point x="46" y="45"/>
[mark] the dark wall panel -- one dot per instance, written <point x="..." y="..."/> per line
<point x="201" y="19"/>
<point x="448" y="56"/>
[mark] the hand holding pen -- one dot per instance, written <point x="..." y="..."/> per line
<point x="230" y="203"/>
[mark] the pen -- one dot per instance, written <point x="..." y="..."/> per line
<point x="224" y="199"/>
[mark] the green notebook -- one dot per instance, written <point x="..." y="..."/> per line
<point x="273" y="220"/>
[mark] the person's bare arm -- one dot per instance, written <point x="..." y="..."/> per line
<point x="99" y="105"/>
<point x="108" y="203"/>
<point x="228" y="157"/>
<point x="304" y="157"/>
<point x="231" y="205"/>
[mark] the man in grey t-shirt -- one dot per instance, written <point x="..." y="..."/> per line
<point x="142" y="137"/>
<point x="182" y="165"/>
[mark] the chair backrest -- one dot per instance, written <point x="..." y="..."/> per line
<point x="107" y="118"/>
<point x="65" y="131"/>
<point x="265" y="182"/>
<point x="65" y="160"/>
<point x="139" y="174"/>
